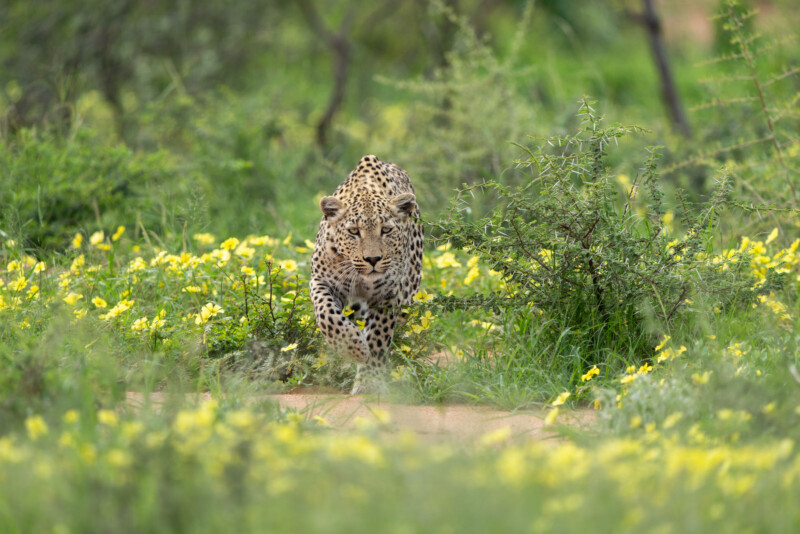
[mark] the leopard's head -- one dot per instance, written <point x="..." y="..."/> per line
<point x="372" y="234"/>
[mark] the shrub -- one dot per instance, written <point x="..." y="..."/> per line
<point x="55" y="187"/>
<point x="576" y="251"/>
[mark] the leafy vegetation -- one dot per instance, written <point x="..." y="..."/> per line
<point x="161" y="171"/>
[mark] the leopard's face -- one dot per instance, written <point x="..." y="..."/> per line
<point x="370" y="237"/>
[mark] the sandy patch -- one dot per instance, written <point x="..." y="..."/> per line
<point x="452" y="423"/>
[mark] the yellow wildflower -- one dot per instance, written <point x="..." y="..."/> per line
<point x="561" y="398"/>
<point x="77" y="263"/>
<point x="473" y="273"/>
<point x="551" y="417"/>
<point x="73" y="298"/>
<point x="423" y="296"/>
<point x="99" y="302"/>
<point x="204" y="239"/>
<point x="772" y="235"/>
<point x="139" y="324"/>
<point x="118" y="233"/>
<point x="36" y="427"/>
<point x="672" y="419"/>
<point x="207" y="312"/>
<point x="229" y="244"/>
<point x="71" y="416"/>
<point x="107" y="417"/>
<point x="97" y="238"/>
<point x="591" y="373"/>
<point x="19" y="284"/>
<point x="77" y="241"/>
<point x="288" y="265"/>
<point x="289" y="347"/>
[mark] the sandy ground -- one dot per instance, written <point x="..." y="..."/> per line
<point x="451" y="423"/>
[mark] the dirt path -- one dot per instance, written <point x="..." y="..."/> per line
<point x="451" y="423"/>
<point x="436" y="423"/>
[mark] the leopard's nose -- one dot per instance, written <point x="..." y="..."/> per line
<point x="373" y="260"/>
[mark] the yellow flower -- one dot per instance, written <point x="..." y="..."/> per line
<point x="551" y="417"/>
<point x="71" y="416"/>
<point x="772" y="236"/>
<point x="77" y="263"/>
<point x="561" y="398"/>
<point x="73" y="298"/>
<point x="699" y="379"/>
<point x="192" y="289"/>
<point x="229" y="244"/>
<point x="39" y="267"/>
<point x="36" y="427"/>
<point x="158" y="321"/>
<point x="77" y="241"/>
<point x="473" y="273"/>
<point x="204" y="239"/>
<point x="13" y="266"/>
<point x="97" y="238"/>
<point x="99" y="303"/>
<point x="207" y="312"/>
<point x="447" y="259"/>
<point x="119" y="458"/>
<point x="663" y="342"/>
<point x="19" y="284"/>
<point x="120" y="308"/>
<point x="139" y="324"/>
<point x="118" y="233"/>
<point x="288" y="265"/>
<point x="423" y="296"/>
<point x="33" y="292"/>
<point x="644" y="369"/>
<point x="290" y="347"/>
<point x="672" y="419"/>
<point x="107" y="417"/>
<point x="243" y="251"/>
<point x="591" y="373"/>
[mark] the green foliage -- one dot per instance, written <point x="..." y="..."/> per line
<point x="77" y="182"/>
<point x="750" y="118"/>
<point x="275" y="338"/>
<point x="62" y="365"/>
<point x="462" y="118"/>
<point x="53" y="51"/>
<point x="576" y="250"/>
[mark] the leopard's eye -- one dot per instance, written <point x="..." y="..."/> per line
<point x="353" y="231"/>
<point x="386" y="229"/>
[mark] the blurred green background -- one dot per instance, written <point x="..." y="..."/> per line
<point x="193" y="115"/>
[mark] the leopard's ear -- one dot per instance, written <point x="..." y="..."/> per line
<point x="403" y="205"/>
<point x="331" y="207"/>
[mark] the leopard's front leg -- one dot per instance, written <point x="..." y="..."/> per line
<point x="379" y="324"/>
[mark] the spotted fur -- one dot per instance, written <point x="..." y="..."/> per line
<point x="368" y="255"/>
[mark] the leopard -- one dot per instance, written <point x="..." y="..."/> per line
<point x="367" y="258"/>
